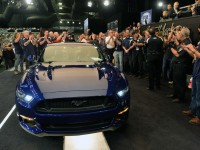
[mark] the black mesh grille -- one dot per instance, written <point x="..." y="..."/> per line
<point x="66" y="105"/>
<point x="78" y="126"/>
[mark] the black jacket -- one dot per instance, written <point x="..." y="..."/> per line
<point x="172" y="14"/>
<point x="154" y="46"/>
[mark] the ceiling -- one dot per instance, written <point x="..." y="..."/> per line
<point x="46" y="12"/>
<point x="17" y="13"/>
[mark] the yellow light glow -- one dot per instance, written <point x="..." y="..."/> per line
<point x="121" y="112"/>
<point x="27" y="118"/>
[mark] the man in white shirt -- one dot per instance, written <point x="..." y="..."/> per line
<point x="110" y="45"/>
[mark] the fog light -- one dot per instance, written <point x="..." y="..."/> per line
<point x="117" y="119"/>
<point x="123" y="111"/>
<point x="26" y="118"/>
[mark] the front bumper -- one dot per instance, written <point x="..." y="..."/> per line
<point x="71" y="123"/>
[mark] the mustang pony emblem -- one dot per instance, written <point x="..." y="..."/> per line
<point x="78" y="103"/>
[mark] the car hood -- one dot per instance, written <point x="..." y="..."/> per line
<point x="71" y="82"/>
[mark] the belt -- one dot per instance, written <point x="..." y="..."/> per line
<point x="153" y="53"/>
<point x="178" y="62"/>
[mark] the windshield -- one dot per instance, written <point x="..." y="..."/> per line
<point x="71" y="53"/>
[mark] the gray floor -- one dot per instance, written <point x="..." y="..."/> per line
<point x="154" y="123"/>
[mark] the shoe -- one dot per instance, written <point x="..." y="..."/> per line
<point x="170" y="82"/>
<point x="150" y="89"/>
<point x="171" y="96"/>
<point x="187" y="113"/>
<point x="16" y="72"/>
<point x="195" y="120"/>
<point x="176" y="100"/>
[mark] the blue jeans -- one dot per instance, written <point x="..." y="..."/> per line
<point x="118" y="57"/>
<point x="18" y="61"/>
<point x="128" y="62"/>
<point x="195" y="103"/>
<point x="166" y="67"/>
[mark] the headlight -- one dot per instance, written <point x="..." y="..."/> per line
<point x="123" y="92"/>
<point x="23" y="97"/>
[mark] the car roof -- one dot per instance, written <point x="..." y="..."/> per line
<point x="70" y="43"/>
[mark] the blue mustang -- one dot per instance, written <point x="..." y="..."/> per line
<point x="72" y="90"/>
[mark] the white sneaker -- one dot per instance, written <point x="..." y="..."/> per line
<point x="16" y="72"/>
<point x="170" y="82"/>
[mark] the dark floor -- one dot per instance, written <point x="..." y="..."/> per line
<point x="2" y="68"/>
<point x="154" y="123"/>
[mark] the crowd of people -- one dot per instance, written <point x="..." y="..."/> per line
<point x="139" y="54"/>
<point x="25" y="47"/>
<point x="175" y="12"/>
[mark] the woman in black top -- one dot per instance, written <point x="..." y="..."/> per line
<point x="8" y="56"/>
<point x="18" y="52"/>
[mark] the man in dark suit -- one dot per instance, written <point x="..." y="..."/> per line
<point x="154" y="59"/>
<point x="174" y="12"/>
<point x="197" y="7"/>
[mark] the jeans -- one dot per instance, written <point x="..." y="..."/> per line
<point x="118" y="57"/>
<point x="195" y="103"/>
<point x="18" y="61"/>
<point x="166" y="67"/>
<point x="128" y="62"/>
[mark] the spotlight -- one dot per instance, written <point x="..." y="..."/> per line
<point x="79" y="22"/>
<point x="73" y="22"/>
<point x="160" y="4"/>
<point x="29" y="2"/>
<point x="106" y="2"/>
<point x="60" y="4"/>
<point x="60" y="21"/>
<point x="60" y="8"/>
<point x="68" y="22"/>
<point x="89" y="4"/>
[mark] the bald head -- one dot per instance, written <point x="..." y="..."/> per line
<point x="176" y="5"/>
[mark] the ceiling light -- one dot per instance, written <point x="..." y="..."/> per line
<point x="73" y="22"/>
<point x="67" y="21"/>
<point x="60" y="21"/>
<point x="29" y="2"/>
<point x="106" y="2"/>
<point x="79" y="22"/>
<point x="59" y="4"/>
<point x="60" y="8"/>
<point x="89" y="4"/>
<point x="160" y="4"/>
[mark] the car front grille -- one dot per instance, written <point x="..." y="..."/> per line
<point x="78" y="127"/>
<point x="67" y="105"/>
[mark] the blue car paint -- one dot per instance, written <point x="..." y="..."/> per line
<point x="115" y="83"/>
